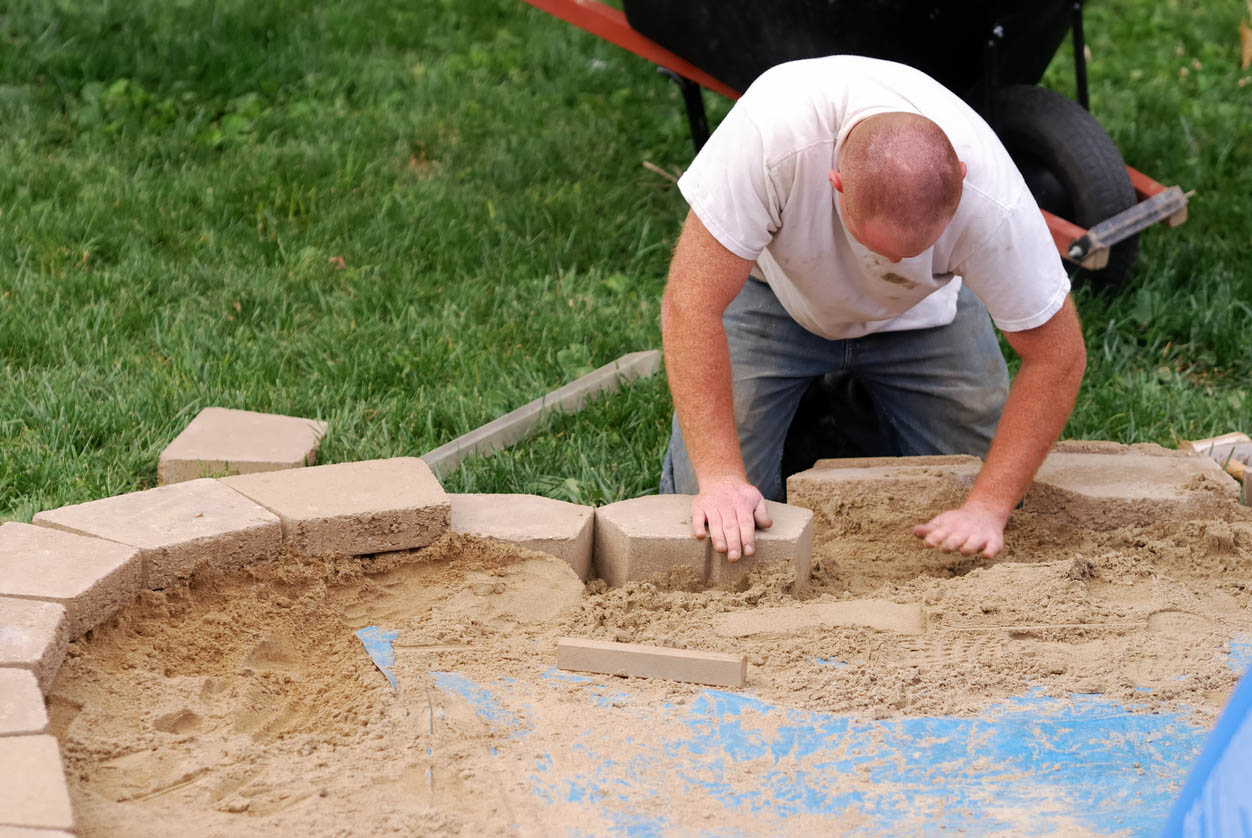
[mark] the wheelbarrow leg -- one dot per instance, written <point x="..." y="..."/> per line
<point x="697" y="119"/>
<point x="991" y="72"/>
<point x="1080" y="57"/>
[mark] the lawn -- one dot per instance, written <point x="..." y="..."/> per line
<point x="409" y="219"/>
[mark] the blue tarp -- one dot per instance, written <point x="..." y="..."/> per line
<point x="1081" y="760"/>
<point x="1216" y="801"/>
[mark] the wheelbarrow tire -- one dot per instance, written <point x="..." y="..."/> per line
<point x="1072" y="167"/>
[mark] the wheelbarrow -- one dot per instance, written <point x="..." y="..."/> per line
<point x="992" y="53"/>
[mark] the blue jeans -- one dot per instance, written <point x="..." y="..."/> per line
<point x="929" y="391"/>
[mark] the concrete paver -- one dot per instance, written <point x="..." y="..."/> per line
<point x="30" y="832"/>
<point x="642" y="537"/>
<point x="550" y="526"/>
<point x="91" y="577"/>
<point x="923" y="460"/>
<point x="32" y="785"/>
<point x="178" y="528"/>
<point x="1133" y="476"/>
<point x="33" y="635"/>
<point x="221" y="441"/>
<point x="22" y="710"/>
<point x="355" y="508"/>
<point x="813" y="487"/>
<point x="643" y="661"/>
<point x="790" y="537"/>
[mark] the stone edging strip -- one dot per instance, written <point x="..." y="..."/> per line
<point x="515" y="425"/>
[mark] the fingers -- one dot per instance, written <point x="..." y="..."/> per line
<point x="733" y="545"/>
<point x="698" y="519"/>
<point x="724" y="525"/>
<point x="747" y="532"/>
<point x="730" y="516"/>
<point x="761" y="515"/>
<point x="953" y="532"/>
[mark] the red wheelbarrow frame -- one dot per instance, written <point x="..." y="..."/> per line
<point x="1088" y="248"/>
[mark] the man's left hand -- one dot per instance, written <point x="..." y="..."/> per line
<point x="968" y="529"/>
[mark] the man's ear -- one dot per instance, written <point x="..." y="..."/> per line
<point x="963" y="171"/>
<point x="836" y="180"/>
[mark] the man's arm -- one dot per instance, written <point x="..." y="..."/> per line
<point x="704" y="278"/>
<point x="1054" y="358"/>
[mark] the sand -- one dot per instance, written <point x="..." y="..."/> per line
<point x="242" y="704"/>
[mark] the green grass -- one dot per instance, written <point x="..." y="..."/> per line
<point x="409" y="219"/>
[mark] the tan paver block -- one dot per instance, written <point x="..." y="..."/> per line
<point x="926" y="460"/>
<point x="178" y="528"/>
<point x="642" y="661"/>
<point x="24" y="832"/>
<point x="790" y="538"/>
<point x="901" y="471"/>
<point x="550" y="526"/>
<point x="354" y="508"/>
<point x="221" y="441"/>
<point x="22" y="710"/>
<point x="91" y="577"/>
<point x="33" y="636"/>
<point x="32" y="785"/>
<point x="1167" y="480"/>
<point x="640" y="538"/>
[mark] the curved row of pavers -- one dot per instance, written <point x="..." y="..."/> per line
<point x="76" y="566"/>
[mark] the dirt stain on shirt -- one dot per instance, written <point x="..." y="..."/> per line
<point x="896" y="279"/>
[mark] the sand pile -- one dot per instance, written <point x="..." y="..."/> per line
<point x="243" y="704"/>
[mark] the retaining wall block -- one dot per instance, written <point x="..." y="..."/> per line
<point x="790" y="538"/>
<point x="911" y="462"/>
<point x="22" y="710"/>
<point x="178" y="528"/>
<point x="815" y="486"/>
<point x="92" y="578"/>
<point x="33" y="636"/>
<point x="221" y="442"/>
<point x="358" y="508"/>
<point x="550" y="526"/>
<point x="640" y="538"/>
<point x="1138" y="476"/>
<point x="643" y="537"/>
<point x="32" y="786"/>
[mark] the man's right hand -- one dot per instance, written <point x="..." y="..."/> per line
<point x="729" y="511"/>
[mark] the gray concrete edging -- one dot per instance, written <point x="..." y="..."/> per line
<point x="515" y="425"/>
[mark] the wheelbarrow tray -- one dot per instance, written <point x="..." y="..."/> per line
<point x="944" y="40"/>
<point x="977" y="49"/>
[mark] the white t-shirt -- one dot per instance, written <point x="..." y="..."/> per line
<point x="760" y="185"/>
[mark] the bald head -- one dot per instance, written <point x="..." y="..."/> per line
<point x="899" y="172"/>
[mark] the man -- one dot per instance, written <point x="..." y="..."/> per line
<point x="849" y="215"/>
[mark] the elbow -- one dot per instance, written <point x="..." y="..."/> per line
<point x="1075" y="370"/>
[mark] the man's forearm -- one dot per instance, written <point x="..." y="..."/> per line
<point x="697" y="361"/>
<point x="1039" y="404"/>
<point x="1033" y="418"/>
